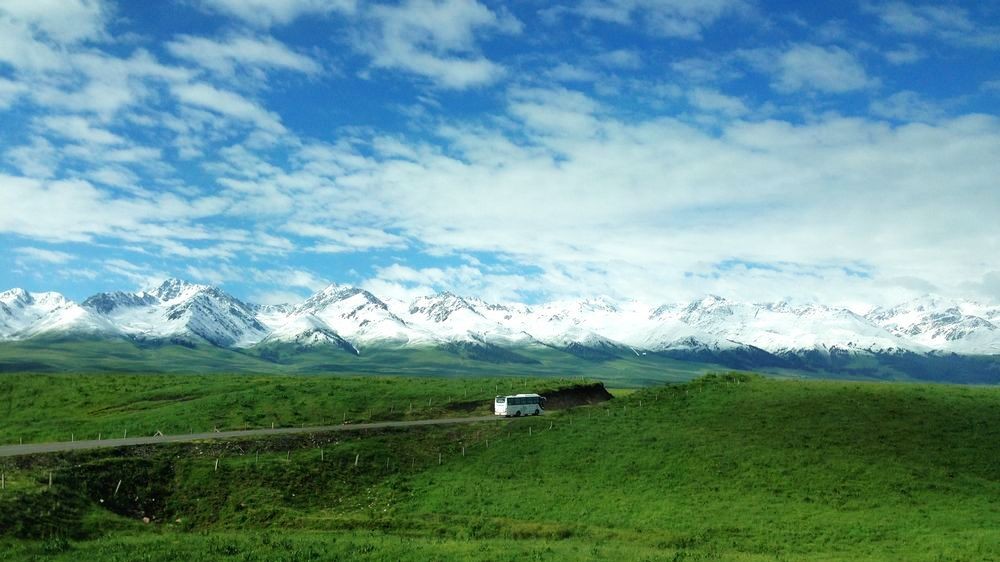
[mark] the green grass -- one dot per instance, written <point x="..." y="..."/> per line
<point x="41" y="355"/>
<point x="725" y="468"/>
<point x="47" y="407"/>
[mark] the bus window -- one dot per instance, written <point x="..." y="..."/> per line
<point x="500" y="399"/>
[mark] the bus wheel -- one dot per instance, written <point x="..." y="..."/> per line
<point x="517" y="414"/>
<point x="537" y="412"/>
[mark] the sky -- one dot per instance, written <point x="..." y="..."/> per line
<point x="846" y="153"/>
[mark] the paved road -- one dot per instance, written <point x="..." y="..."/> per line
<point x="35" y="448"/>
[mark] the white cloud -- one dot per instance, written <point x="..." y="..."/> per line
<point x="807" y="67"/>
<point x="79" y="129"/>
<point x="345" y="238"/>
<point x="22" y="51"/>
<point x="906" y="53"/>
<point x="839" y="207"/>
<point x="75" y="210"/>
<point x="620" y="58"/>
<point x="906" y="106"/>
<point x="225" y="56"/>
<point x="437" y="39"/>
<point x="10" y="91"/>
<point x="290" y="278"/>
<point x="29" y="253"/>
<point x="142" y="275"/>
<point x="670" y="18"/>
<point x="564" y="72"/>
<point x="63" y="21"/>
<point x="947" y="22"/>
<point x="116" y="176"/>
<point x="716" y="102"/>
<point x="269" y="13"/>
<point x="38" y="159"/>
<point x="228" y="103"/>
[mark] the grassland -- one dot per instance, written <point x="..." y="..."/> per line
<point x="50" y="407"/>
<point x="723" y="468"/>
<point x="82" y="355"/>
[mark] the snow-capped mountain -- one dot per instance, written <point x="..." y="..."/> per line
<point x="353" y="319"/>
<point x="180" y="309"/>
<point x="24" y="314"/>
<point x="782" y="328"/>
<point x="448" y="317"/>
<point x="942" y="324"/>
<point x="306" y="330"/>
<point x="360" y="317"/>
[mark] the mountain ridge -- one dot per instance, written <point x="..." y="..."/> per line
<point x="354" y="321"/>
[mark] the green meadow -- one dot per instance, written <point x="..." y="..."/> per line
<point x="726" y="467"/>
<point x="62" y="407"/>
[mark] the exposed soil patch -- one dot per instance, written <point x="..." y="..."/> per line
<point x="579" y="395"/>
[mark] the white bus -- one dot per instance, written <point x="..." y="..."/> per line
<point x="518" y="405"/>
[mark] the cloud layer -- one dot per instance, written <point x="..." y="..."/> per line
<point x="591" y="148"/>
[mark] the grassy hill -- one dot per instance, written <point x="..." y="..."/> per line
<point x="51" y="407"/>
<point x="82" y="355"/>
<point x="727" y="467"/>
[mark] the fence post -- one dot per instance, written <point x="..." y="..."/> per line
<point x="217" y="465"/>
<point x="50" y="479"/>
<point x="116" y="488"/>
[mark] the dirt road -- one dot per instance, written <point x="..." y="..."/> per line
<point x="36" y="448"/>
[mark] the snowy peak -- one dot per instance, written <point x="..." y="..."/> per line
<point x="355" y="319"/>
<point x="306" y="330"/>
<point x="105" y="303"/>
<point x="15" y="298"/>
<point x="357" y="316"/>
<point x="439" y="308"/>
<point x="24" y="314"/>
<point x="172" y="289"/>
<point x="178" y="308"/>
<point x="943" y="324"/>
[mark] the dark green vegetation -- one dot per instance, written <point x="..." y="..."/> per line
<point x="40" y="355"/>
<point x="619" y="366"/>
<point x="728" y="467"/>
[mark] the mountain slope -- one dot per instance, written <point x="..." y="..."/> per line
<point x="927" y="338"/>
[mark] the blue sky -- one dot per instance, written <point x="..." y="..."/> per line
<point x="654" y="149"/>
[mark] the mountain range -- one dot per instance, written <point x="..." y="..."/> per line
<point x="354" y="322"/>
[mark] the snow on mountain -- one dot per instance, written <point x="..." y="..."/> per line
<point x="177" y="309"/>
<point x="943" y="324"/>
<point x="448" y="317"/>
<point x="783" y="328"/>
<point x="307" y="330"/>
<point x="360" y="317"/>
<point x="24" y="314"/>
<point x="353" y="319"/>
